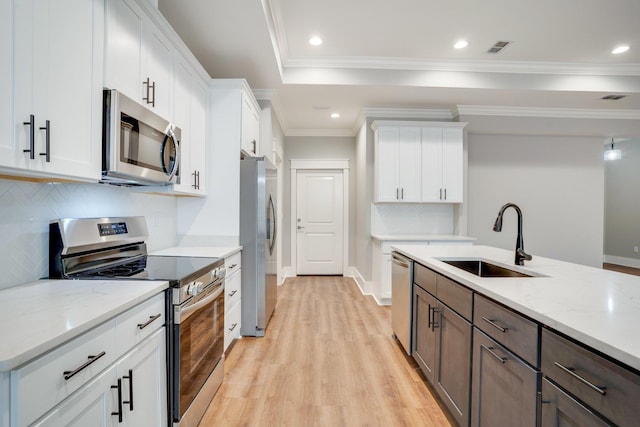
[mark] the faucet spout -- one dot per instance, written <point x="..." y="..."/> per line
<point x="520" y="254"/>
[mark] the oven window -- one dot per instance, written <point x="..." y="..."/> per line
<point x="201" y="338"/>
<point x="142" y="145"/>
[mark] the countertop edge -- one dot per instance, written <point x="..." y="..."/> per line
<point x="199" y="251"/>
<point x="422" y="238"/>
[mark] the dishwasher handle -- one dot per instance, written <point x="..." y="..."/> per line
<point x="401" y="261"/>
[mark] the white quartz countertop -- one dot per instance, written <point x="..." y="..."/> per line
<point x="597" y="307"/>
<point x="39" y="316"/>
<point x="199" y="251"/>
<point x="423" y="237"/>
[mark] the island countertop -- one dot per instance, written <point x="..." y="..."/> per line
<point x="597" y="307"/>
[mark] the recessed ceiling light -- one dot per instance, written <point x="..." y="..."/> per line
<point x="315" y="41"/>
<point x="461" y="44"/>
<point x="335" y="115"/>
<point x="620" y="49"/>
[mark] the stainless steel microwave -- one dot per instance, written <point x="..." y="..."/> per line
<point x="138" y="146"/>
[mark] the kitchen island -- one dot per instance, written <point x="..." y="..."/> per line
<point x="568" y="331"/>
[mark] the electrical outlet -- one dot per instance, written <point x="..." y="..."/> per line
<point x="635" y="249"/>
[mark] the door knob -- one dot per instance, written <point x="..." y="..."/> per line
<point x="300" y="227"/>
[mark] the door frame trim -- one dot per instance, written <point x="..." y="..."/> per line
<point x="338" y="165"/>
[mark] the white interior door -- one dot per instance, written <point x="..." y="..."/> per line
<point x="319" y="222"/>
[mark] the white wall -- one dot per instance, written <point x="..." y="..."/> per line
<point x="316" y="147"/>
<point x="364" y="196"/>
<point x="26" y="208"/>
<point x="622" y="205"/>
<point x="557" y="181"/>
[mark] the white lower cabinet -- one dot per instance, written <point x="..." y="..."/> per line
<point x="115" y="374"/>
<point x="232" y="299"/>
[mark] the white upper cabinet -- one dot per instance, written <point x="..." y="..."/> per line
<point x="139" y="57"/>
<point x="442" y="163"/>
<point x="397" y="164"/>
<point x="6" y="83"/>
<point x="250" y="124"/>
<point x="190" y="106"/>
<point x="419" y="162"/>
<point x="57" y="101"/>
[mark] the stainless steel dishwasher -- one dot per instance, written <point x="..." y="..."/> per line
<point x="401" y="299"/>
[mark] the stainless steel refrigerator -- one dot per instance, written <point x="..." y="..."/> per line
<point x="258" y="232"/>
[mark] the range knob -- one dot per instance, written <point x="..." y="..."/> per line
<point x="220" y="272"/>
<point x="194" y="289"/>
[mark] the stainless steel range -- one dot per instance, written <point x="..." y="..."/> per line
<point x="115" y="248"/>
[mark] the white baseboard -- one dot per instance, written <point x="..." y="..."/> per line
<point x="365" y="287"/>
<point x="628" y="262"/>
<point x="287" y="271"/>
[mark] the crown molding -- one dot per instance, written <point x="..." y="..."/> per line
<point x="510" y="67"/>
<point x="263" y="94"/>
<point x="321" y="132"/>
<point x="277" y="33"/>
<point x="561" y="113"/>
<point x="403" y="113"/>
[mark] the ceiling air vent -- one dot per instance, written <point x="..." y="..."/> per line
<point x="613" y="97"/>
<point x="498" y="46"/>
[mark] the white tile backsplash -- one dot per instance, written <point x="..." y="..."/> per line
<point x="406" y="218"/>
<point x="26" y="209"/>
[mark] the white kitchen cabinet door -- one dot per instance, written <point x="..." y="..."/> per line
<point x="398" y="172"/>
<point x="58" y="81"/>
<point x="92" y="405"/>
<point x="199" y="96"/>
<point x="144" y="383"/>
<point x="250" y="124"/>
<point x="139" y="57"/>
<point x="7" y="150"/>
<point x="442" y="164"/>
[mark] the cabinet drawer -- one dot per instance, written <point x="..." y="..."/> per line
<point x="139" y="322"/>
<point x="232" y="291"/>
<point x="606" y="387"/>
<point x="41" y="384"/>
<point x="232" y="324"/>
<point x="425" y="278"/>
<point x="455" y="296"/>
<point x="233" y="263"/>
<point x="560" y="409"/>
<point x="518" y="334"/>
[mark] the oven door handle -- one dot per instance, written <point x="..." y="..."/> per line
<point x="183" y="313"/>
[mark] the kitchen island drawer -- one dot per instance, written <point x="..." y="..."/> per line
<point x="606" y="387"/>
<point x="512" y="330"/>
<point x="425" y="278"/>
<point x="41" y="384"/>
<point x="456" y="296"/>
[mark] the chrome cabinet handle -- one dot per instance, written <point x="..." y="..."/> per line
<point x="235" y="291"/>
<point x="47" y="144"/>
<point x="592" y="386"/>
<point x="32" y="125"/>
<point x="254" y="142"/>
<point x="232" y="266"/>
<point x="153" y="98"/>
<point x="495" y="325"/>
<point x="441" y="194"/>
<point x="402" y="193"/>
<point x="148" y="322"/>
<point x="150" y="87"/>
<point x="397" y="193"/>
<point x="146" y="97"/>
<point x="69" y="374"/>
<point x="119" y="412"/>
<point x="432" y="318"/>
<point x="233" y="327"/>
<point x="445" y="194"/>
<point x="494" y="354"/>
<point x="130" y="378"/>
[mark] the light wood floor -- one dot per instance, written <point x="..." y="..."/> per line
<point x="621" y="269"/>
<point x="328" y="360"/>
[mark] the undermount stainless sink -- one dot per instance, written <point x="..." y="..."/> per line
<point x="482" y="268"/>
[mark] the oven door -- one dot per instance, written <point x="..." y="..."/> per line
<point x="199" y="344"/>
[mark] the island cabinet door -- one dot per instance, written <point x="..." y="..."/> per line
<point x="453" y="373"/>
<point x="560" y="409"/>
<point x="504" y="388"/>
<point x="424" y="331"/>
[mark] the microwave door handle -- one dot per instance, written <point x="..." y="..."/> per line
<point x="170" y="135"/>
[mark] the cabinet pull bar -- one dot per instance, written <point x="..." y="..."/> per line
<point x="148" y="322"/>
<point x="119" y="413"/>
<point x="435" y="325"/>
<point x="146" y="97"/>
<point x="69" y="374"/>
<point x="494" y="354"/>
<point x="232" y="266"/>
<point x="130" y="378"/>
<point x="445" y="194"/>
<point x="441" y="194"/>
<point x="32" y="125"/>
<point x="429" y="317"/>
<point x="397" y="193"/>
<point x="47" y="139"/>
<point x="233" y="293"/>
<point x="153" y="97"/>
<point x="194" y="174"/>
<point x="402" y="193"/>
<point x="571" y="371"/>
<point x="233" y="327"/>
<point x="495" y="325"/>
<point x="198" y="180"/>
<point x="254" y="142"/>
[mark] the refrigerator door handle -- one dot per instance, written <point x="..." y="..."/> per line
<point x="272" y="241"/>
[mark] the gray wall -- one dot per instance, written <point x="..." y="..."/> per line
<point x="558" y="182"/>
<point x="316" y="147"/>
<point x="26" y="208"/>
<point x="622" y="202"/>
